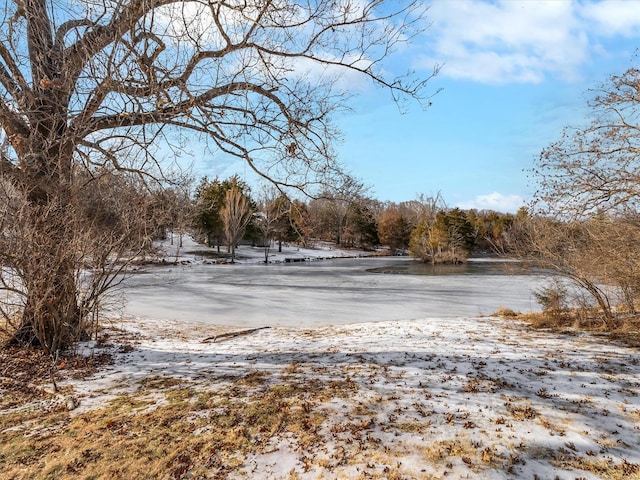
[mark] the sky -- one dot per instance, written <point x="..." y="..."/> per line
<point x="513" y="74"/>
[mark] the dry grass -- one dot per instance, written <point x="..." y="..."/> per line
<point x="26" y="383"/>
<point x="553" y="428"/>
<point x="521" y="412"/>
<point x="603" y="467"/>
<point x="7" y="329"/>
<point x="507" y="313"/>
<point x="4" y="331"/>
<point x="475" y="455"/>
<point x="172" y="428"/>
<point x="626" y="329"/>
<point x="206" y="433"/>
<point x="348" y="420"/>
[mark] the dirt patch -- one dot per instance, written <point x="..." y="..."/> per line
<point x="27" y="374"/>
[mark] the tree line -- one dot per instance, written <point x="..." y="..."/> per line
<point x="425" y="227"/>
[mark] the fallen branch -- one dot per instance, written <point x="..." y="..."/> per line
<point x="228" y="335"/>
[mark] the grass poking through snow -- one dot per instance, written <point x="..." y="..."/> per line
<point x="476" y="398"/>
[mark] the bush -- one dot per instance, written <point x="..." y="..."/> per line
<point x="553" y="299"/>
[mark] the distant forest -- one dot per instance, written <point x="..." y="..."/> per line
<point x="424" y="228"/>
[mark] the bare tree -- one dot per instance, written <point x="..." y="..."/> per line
<point x="424" y="208"/>
<point x="429" y="234"/>
<point x="236" y="214"/>
<point x="361" y="229"/>
<point x="172" y="212"/>
<point x="589" y="184"/>
<point x="613" y="242"/>
<point x="333" y="206"/>
<point x="596" y="167"/>
<point x="267" y="216"/>
<point x="103" y="230"/>
<point x="273" y="218"/>
<point x="571" y="250"/>
<point x="89" y="85"/>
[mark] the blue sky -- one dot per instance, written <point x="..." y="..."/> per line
<point x="513" y="74"/>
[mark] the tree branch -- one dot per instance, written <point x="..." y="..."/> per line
<point x="95" y="40"/>
<point x="66" y="27"/>
<point x="14" y="75"/>
<point x="9" y="169"/>
<point x="168" y="113"/>
<point x="40" y="40"/>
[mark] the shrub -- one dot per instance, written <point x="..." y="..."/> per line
<point x="553" y="299"/>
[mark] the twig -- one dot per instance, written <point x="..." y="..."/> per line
<point x="228" y="335"/>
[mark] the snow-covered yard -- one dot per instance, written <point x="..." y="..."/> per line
<point x="349" y="379"/>
<point x="186" y="249"/>
<point x="430" y="398"/>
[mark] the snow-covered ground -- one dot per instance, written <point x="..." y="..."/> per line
<point x="429" y="398"/>
<point x="398" y="383"/>
<point x="191" y="251"/>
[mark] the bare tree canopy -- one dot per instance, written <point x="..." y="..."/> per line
<point x="116" y="86"/>
<point x="589" y="194"/>
<point x="109" y="81"/>
<point x="596" y="167"/>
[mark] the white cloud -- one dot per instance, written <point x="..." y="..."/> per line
<point x="494" y="201"/>
<point x="612" y="18"/>
<point x="521" y="42"/>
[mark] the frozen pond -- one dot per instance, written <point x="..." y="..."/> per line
<point x="325" y="292"/>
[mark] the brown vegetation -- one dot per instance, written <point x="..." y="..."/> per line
<point x="586" y="223"/>
<point x="627" y="329"/>
<point x="331" y="409"/>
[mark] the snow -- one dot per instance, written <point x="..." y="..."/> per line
<point x="190" y="251"/>
<point x="446" y="394"/>
<point x="525" y="396"/>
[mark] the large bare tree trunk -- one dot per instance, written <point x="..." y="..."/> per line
<point x="51" y="317"/>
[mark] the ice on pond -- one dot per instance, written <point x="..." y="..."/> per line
<point x="339" y="291"/>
